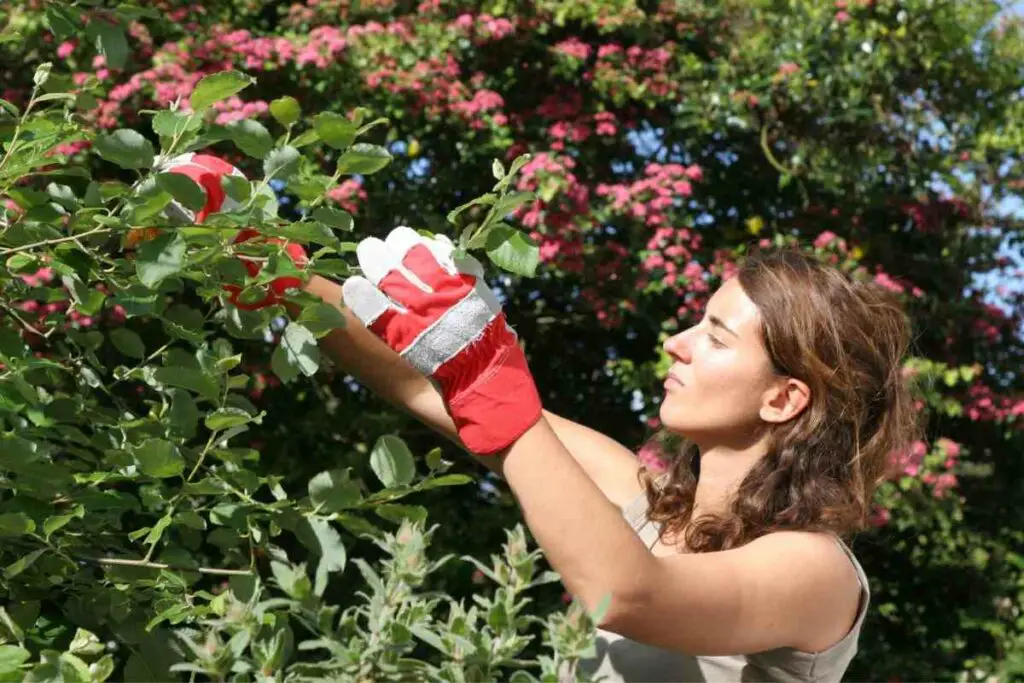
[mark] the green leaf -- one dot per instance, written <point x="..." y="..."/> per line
<point x="497" y="169"/>
<point x="226" y="418"/>
<point x="110" y="42"/>
<point x="160" y="258"/>
<point x="512" y="250"/>
<point x="392" y="461"/>
<point x="85" y="643"/>
<point x="184" y="190"/>
<point x="332" y="552"/>
<point x="286" y="110"/>
<point x="11" y="658"/>
<point x="139" y="301"/>
<point x="58" y="522"/>
<point x="126" y="148"/>
<point x="333" y="490"/>
<point x="299" y="350"/>
<point x="172" y="124"/>
<point x="446" y="480"/>
<point x="183" y="414"/>
<point x="281" y="163"/>
<point x="251" y="137"/>
<point x="22" y="563"/>
<point x="399" y="513"/>
<point x="320" y="318"/>
<point x="87" y="300"/>
<point x="128" y="342"/>
<point x="217" y="87"/>
<point x="158" y="458"/>
<point x="61" y="21"/>
<point x="16" y="524"/>
<point x="187" y="378"/>
<point x="335" y="130"/>
<point x="364" y="159"/>
<point x="236" y="187"/>
<point x="335" y="218"/>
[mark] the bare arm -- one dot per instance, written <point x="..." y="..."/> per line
<point x="357" y="351"/>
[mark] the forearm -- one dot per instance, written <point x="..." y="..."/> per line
<point x="358" y="352"/>
<point x="582" y="533"/>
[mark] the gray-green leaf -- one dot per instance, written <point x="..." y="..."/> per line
<point x="299" y="350"/>
<point x="333" y="490"/>
<point x="336" y="218"/>
<point x="334" y="129"/>
<point x="332" y="552"/>
<point x="251" y="137"/>
<point x="286" y="110"/>
<point x="126" y="148"/>
<point x="158" y="458"/>
<point x="16" y="524"/>
<point x="512" y="250"/>
<point x="188" y="378"/>
<point x="281" y="162"/>
<point x="217" y="87"/>
<point x="128" y="342"/>
<point x="364" y="159"/>
<point x="160" y="258"/>
<point x="183" y="189"/>
<point x="226" y="418"/>
<point x="171" y="124"/>
<point x="110" y="42"/>
<point x="392" y="461"/>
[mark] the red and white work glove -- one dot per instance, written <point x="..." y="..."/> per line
<point x="207" y="171"/>
<point x="441" y="317"/>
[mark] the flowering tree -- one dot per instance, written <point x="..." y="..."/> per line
<point x="664" y="139"/>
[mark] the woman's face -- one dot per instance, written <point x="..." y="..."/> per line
<point x="721" y="376"/>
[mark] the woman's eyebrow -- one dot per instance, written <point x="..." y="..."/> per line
<point x="717" y="322"/>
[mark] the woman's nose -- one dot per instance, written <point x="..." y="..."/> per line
<point x="678" y="346"/>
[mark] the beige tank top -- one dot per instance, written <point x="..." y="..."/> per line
<point x="623" y="660"/>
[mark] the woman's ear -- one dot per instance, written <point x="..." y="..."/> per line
<point x="787" y="398"/>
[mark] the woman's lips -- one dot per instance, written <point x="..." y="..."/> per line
<point x="673" y="382"/>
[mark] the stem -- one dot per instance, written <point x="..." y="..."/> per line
<point x="58" y="240"/>
<point x="114" y="561"/>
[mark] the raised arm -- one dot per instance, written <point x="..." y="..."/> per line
<point x="357" y="351"/>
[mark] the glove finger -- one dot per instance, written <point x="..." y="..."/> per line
<point x="366" y="301"/>
<point x="375" y="259"/>
<point x="426" y="260"/>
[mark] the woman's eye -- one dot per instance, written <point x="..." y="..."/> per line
<point x="716" y="342"/>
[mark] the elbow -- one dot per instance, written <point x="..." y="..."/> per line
<point x="618" y="608"/>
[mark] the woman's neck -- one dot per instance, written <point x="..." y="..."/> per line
<point x="722" y="469"/>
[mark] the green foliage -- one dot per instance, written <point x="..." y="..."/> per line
<point x="155" y="441"/>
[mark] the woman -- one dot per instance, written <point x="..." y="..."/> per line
<point x="788" y="396"/>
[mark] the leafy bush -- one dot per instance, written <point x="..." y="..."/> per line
<point x="664" y="139"/>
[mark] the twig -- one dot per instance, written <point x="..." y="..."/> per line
<point x="28" y="326"/>
<point x="160" y="565"/>
<point x="58" y="240"/>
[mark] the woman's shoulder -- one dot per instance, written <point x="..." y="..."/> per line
<point x="835" y="581"/>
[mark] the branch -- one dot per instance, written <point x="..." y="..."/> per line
<point x="26" y="247"/>
<point x="160" y="565"/>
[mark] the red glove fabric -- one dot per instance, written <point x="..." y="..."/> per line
<point x="207" y="171"/>
<point x="442" y="318"/>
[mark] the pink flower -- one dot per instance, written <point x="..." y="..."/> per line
<point x="573" y="47"/>
<point x="788" y="68"/>
<point x="880" y="516"/>
<point x="651" y="458"/>
<point x="842" y="17"/>
<point x="824" y="239"/>
<point x="65" y="49"/>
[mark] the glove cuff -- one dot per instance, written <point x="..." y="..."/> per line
<point x="492" y="414"/>
<point x="501" y="401"/>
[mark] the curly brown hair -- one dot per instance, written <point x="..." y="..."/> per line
<point x="846" y="340"/>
